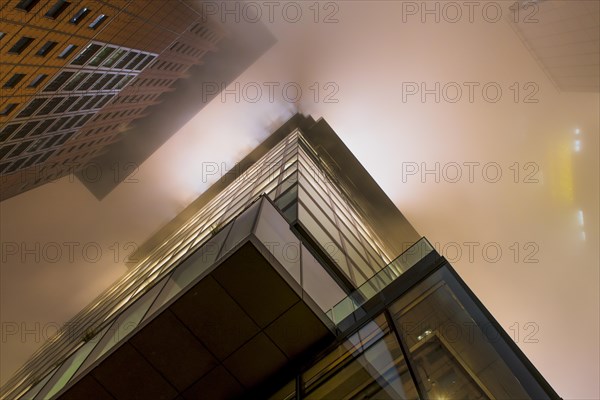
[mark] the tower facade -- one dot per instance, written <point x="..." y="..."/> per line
<point x="75" y="75"/>
<point x="292" y="277"/>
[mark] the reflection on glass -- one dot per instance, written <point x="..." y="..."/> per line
<point x="275" y="233"/>
<point x="454" y="355"/>
<point x="369" y="365"/>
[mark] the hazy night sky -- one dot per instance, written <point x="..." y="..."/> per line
<point x="360" y="65"/>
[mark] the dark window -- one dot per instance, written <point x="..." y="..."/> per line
<point x="3" y="166"/>
<point x="27" y="5"/>
<point x="125" y="60"/>
<point x="59" y="123"/>
<point x="31" y="107"/>
<point x="72" y="121"/>
<point x="114" y="57"/>
<point x="14" y="81"/>
<point x="37" y="80"/>
<point x="32" y="158"/>
<point x="41" y="128"/>
<point x="66" y="104"/>
<point x="15" y="165"/>
<point x="101" y="56"/>
<point x="50" y="105"/>
<point x="135" y="61"/>
<point x="7" y="131"/>
<point x="75" y="81"/>
<point x="51" y="141"/>
<point x="66" y="137"/>
<point x="46" y="48"/>
<point x="90" y="81"/>
<point x="105" y="100"/>
<point x="98" y="21"/>
<point x="80" y="15"/>
<point x="67" y="51"/>
<point x="92" y="103"/>
<point x="83" y="120"/>
<point x="8" y="109"/>
<point x="26" y="129"/>
<point x="5" y="150"/>
<point x="86" y="54"/>
<point x="21" y="148"/>
<point x="46" y="156"/>
<point x="21" y="45"/>
<point x="57" y="9"/>
<point x="80" y="103"/>
<point x="58" y="81"/>
<point x="100" y="84"/>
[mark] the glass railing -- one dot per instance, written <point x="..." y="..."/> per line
<point x="355" y="300"/>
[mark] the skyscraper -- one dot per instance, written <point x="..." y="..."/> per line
<point x="293" y="276"/>
<point x="75" y="75"/>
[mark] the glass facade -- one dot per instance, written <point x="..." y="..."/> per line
<point x="402" y="326"/>
<point x="434" y="341"/>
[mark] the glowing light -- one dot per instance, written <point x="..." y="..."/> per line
<point x="582" y="235"/>
<point x="424" y="334"/>
<point x="577" y="145"/>
<point x="580" y="217"/>
<point x="577" y="131"/>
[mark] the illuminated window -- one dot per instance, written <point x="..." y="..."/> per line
<point x="67" y="51"/>
<point x="98" y="21"/>
<point x="81" y="14"/>
<point x="46" y="48"/>
<point x="37" y="80"/>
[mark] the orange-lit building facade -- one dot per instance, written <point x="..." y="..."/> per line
<point x="75" y="74"/>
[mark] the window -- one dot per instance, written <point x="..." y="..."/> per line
<point x="75" y="81"/>
<point x="27" y="5"/>
<point x="31" y="107"/>
<point x="58" y="81"/>
<point x="14" y="81"/>
<point x="57" y="9"/>
<point x="2" y="34"/>
<point x="41" y="128"/>
<point x="90" y="81"/>
<point x="98" y="21"/>
<point x="66" y="104"/>
<point x="100" y="84"/>
<point x="145" y="63"/>
<point x="113" y="58"/>
<point x="21" y="45"/>
<point x="5" y="150"/>
<point x="8" y="109"/>
<point x="46" y="48"/>
<point x="26" y="129"/>
<point x="21" y="148"/>
<point x="80" y="103"/>
<point x="135" y="61"/>
<point x="126" y="60"/>
<point x="101" y="56"/>
<point x="7" y="131"/>
<point x="67" y="51"/>
<point x="86" y="54"/>
<point x="81" y="14"/>
<point x="50" y="105"/>
<point x="37" y="80"/>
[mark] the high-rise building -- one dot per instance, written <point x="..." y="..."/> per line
<point x="76" y="74"/>
<point x="294" y="276"/>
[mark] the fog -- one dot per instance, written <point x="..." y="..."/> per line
<point x="497" y="184"/>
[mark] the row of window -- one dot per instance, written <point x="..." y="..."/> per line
<point x="41" y="106"/>
<point x="186" y="49"/>
<point x="107" y="56"/>
<point x="136" y="98"/>
<point x="25" y="41"/>
<point x="170" y="66"/>
<point x="61" y="6"/>
<point x="155" y="82"/>
<point x="118" y="114"/>
<point x="204" y="32"/>
<point x="31" y="146"/>
<point x="26" y="129"/>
